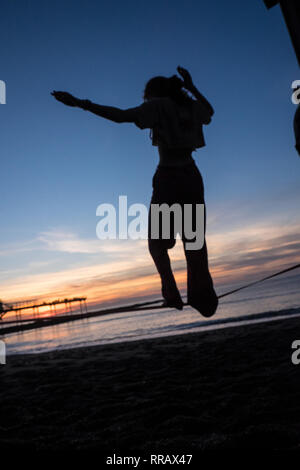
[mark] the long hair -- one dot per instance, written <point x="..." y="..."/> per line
<point x="171" y="87"/>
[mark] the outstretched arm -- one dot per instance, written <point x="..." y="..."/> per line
<point x="189" y="85"/>
<point x="107" y="112"/>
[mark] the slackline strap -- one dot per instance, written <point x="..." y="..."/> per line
<point x="260" y="280"/>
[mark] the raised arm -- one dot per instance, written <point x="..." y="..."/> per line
<point x="202" y="99"/>
<point x="108" y="112"/>
<point x="189" y="85"/>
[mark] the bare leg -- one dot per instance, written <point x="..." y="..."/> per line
<point x="159" y="252"/>
<point x="158" y="249"/>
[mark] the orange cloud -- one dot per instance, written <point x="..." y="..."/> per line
<point x="128" y="272"/>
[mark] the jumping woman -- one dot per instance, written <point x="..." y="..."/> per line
<point x="176" y="121"/>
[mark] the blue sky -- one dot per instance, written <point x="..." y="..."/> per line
<point x="59" y="163"/>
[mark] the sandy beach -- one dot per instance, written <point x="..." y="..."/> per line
<point x="221" y="390"/>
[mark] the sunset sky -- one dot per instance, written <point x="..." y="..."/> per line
<point x="58" y="163"/>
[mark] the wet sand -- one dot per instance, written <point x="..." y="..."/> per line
<point x="230" y="389"/>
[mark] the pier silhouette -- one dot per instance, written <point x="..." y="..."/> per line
<point x="34" y="305"/>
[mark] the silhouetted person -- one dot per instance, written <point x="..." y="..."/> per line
<point x="176" y="121"/>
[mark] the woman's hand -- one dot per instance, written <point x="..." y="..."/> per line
<point x="187" y="79"/>
<point x="65" y="98"/>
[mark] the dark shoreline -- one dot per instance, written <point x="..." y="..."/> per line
<point x="34" y="323"/>
<point x="60" y="319"/>
<point x="221" y="390"/>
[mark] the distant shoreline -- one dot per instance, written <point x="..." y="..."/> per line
<point x="207" y="325"/>
<point x="33" y="323"/>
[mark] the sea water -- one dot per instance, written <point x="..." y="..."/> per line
<point x="274" y="299"/>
